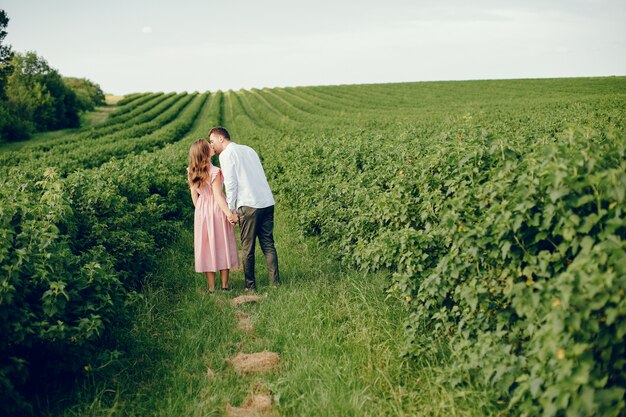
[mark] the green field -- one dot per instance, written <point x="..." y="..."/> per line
<point x="447" y="248"/>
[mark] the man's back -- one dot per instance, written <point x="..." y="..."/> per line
<point x="244" y="177"/>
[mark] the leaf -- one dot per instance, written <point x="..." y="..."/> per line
<point x="535" y="385"/>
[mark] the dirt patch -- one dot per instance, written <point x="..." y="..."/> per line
<point x="255" y="405"/>
<point x="112" y="100"/>
<point x="258" y="403"/>
<point x="245" y="299"/>
<point x="244" y="323"/>
<point x="246" y="363"/>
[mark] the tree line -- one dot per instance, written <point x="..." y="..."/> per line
<point x="34" y="97"/>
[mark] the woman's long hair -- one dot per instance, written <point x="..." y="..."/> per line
<point x="199" y="169"/>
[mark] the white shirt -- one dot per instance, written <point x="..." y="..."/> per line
<point x="244" y="178"/>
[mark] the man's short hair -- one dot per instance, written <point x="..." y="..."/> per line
<point x="220" y="131"/>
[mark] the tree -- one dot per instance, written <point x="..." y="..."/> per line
<point x="88" y="93"/>
<point x="10" y="126"/>
<point x="5" y="54"/>
<point x="36" y="92"/>
<point x="34" y="96"/>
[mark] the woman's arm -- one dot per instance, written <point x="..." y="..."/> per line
<point x="218" y="194"/>
<point x="194" y="195"/>
<point x="194" y="192"/>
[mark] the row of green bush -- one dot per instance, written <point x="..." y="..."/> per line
<point x="89" y="148"/>
<point x="74" y="251"/>
<point x="498" y="206"/>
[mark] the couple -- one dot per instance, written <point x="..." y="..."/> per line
<point x="248" y="201"/>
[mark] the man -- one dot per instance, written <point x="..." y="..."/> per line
<point x="251" y="201"/>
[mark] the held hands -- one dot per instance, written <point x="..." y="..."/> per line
<point x="233" y="218"/>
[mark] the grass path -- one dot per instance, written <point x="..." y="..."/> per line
<point x="339" y="340"/>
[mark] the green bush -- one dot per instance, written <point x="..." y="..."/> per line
<point x="503" y="224"/>
<point x="524" y="270"/>
<point x="75" y="250"/>
<point x="511" y="253"/>
<point x="49" y="294"/>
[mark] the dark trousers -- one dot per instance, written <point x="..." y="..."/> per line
<point x="259" y="223"/>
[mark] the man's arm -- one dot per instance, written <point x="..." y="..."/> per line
<point x="230" y="180"/>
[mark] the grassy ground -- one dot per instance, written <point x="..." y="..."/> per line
<point x="338" y="335"/>
<point x="99" y="115"/>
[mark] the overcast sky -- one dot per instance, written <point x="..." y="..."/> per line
<point x="140" y="45"/>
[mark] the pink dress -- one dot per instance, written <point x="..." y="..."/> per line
<point x="213" y="236"/>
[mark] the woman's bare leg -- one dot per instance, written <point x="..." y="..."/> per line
<point x="210" y="279"/>
<point x="224" y="274"/>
